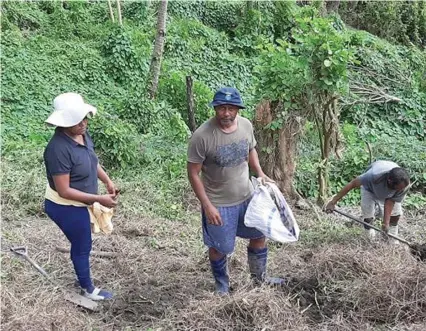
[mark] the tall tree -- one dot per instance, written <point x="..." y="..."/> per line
<point x="111" y="12"/>
<point x="332" y="6"/>
<point x="302" y="81"/>
<point x="120" y="21"/>
<point x="157" y="53"/>
<point x="277" y="133"/>
<point x="191" y="104"/>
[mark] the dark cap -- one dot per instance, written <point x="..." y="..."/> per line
<point x="227" y="96"/>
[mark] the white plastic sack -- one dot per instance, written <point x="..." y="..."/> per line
<point x="272" y="217"/>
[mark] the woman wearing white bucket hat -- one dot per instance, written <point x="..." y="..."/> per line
<point x="73" y="170"/>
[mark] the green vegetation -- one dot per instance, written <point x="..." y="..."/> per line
<point x="292" y="56"/>
<point x="396" y="21"/>
<point x="263" y="49"/>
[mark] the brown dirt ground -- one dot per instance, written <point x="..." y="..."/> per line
<point x="337" y="280"/>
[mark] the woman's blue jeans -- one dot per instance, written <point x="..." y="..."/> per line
<point x="75" y="224"/>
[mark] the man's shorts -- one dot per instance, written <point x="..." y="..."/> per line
<point x="369" y="203"/>
<point x="222" y="238"/>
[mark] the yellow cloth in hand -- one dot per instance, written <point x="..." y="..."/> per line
<point x="100" y="216"/>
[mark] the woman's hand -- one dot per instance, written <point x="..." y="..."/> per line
<point x="107" y="200"/>
<point x="111" y="188"/>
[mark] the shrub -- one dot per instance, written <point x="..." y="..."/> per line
<point x="116" y="141"/>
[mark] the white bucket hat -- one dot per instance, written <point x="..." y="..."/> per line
<point x="69" y="110"/>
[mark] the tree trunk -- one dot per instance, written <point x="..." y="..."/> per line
<point x="321" y="6"/>
<point x="323" y="176"/>
<point x="328" y="131"/>
<point x="250" y="5"/>
<point x="111" y="13"/>
<point x="190" y="99"/>
<point x="157" y="53"/>
<point x="332" y="6"/>
<point x="277" y="148"/>
<point x="119" y="13"/>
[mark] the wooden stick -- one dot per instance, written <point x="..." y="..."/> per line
<point x="190" y="101"/>
<point x="314" y="210"/>
<point x="111" y="13"/>
<point x="119" y="13"/>
<point x="93" y="253"/>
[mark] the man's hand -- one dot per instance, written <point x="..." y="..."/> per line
<point x="213" y="216"/>
<point x="387" y="214"/>
<point x="265" y="179"/>
<point x="355" y="183"/>
<point x="329" y="208"/>
<point x="385" y="227"/>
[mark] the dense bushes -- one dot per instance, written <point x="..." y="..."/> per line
<point x="52" y="47"/>
<point x="109" y="71"/>
<point x="396" y="21"/>
<point x="221" y="15"/>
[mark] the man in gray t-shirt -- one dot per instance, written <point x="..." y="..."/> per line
<point x="224" y="157"/>
<point x="222" y="149"/>
<point x="384" y="184"/>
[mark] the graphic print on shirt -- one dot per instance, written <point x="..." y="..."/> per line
<point x="232" y="155"/>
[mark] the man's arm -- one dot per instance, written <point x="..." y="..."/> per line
<point x="211" y="211"/>
<point x="254" y="163"/>
<point x="355" y="183"/>
<point x="194" y="170"/>
<point x="387" y="214"/>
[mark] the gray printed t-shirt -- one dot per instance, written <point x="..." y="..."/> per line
<point x="374" y="181"/>
<point x="225" y="170"/>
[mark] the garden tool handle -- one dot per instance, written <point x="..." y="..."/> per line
<point x="19" y="250"/>
<point x="22" y="251"/>
<point x="371" y="226"/>
<point x="69" y="296"/>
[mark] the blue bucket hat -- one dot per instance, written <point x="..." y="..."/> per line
<point x="227" y="96"/>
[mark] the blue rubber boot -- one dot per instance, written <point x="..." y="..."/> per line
<point x="220" y="274"/>
<point x="257" y="261"/>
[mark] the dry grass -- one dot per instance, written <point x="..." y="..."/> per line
<point x="380" y="284"/>
<point x="246" y="309"/>
<point x="162" y="281"/>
